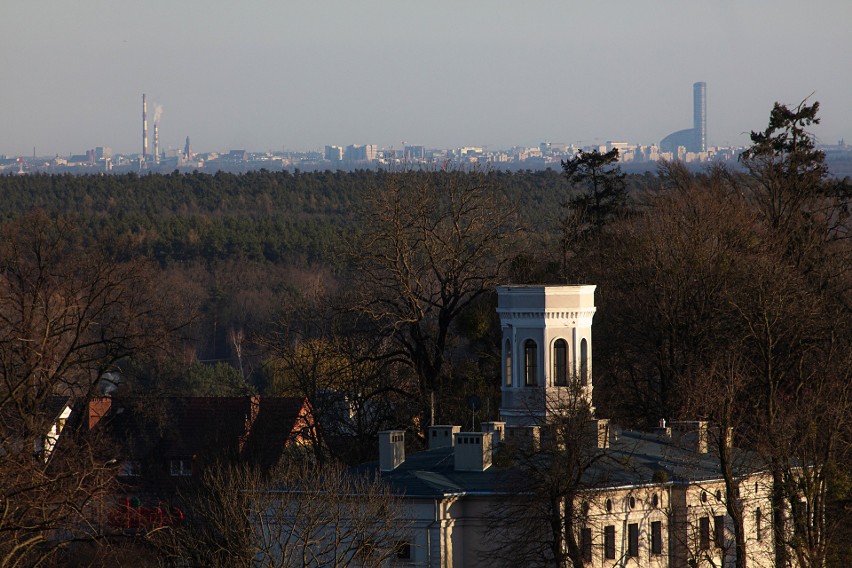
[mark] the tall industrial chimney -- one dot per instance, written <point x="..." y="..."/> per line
<point x="144" y="128"/>
<point x="156" y="143"/>
<point x="187" y="150"/>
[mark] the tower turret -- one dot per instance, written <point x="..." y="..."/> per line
<point x="546" y="349"/>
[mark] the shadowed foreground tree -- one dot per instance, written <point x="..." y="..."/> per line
<point x="702" y="275"/>
<point x="318" y="352"/>
<point x="719" y="394"/>
<point x="68" y="315"/>
<point x="602" y="190"/>
<point x="600" y="196"/>
<point x="798" y="315"/>
<point x="537" y="522"/>
<point x="666" y="276"/>
<point x="297" y="516"/>
<point x="431" y="244"/>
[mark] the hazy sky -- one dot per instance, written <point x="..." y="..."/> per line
<point x="299" y="74"/>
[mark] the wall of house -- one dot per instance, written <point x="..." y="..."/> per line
<point x="692" y="502"/>
<point x="456" y="533"/>
<point x="620" y="508"/>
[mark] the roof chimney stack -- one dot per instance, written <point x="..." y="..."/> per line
<point x="472" y="451"/>
<point x="391" y="449"/>
<point x="691" y="435"/>
<point x="442" y="436"/>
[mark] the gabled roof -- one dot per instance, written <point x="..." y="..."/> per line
<point x="280" y="422"/>
<point x="252" y="428"/>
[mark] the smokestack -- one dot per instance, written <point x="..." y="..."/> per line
<point x="156" y="143"/>
<point x="144" y="127"/>
<point x="187" y="150"/>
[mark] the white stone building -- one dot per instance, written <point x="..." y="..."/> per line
<point x="657" y="500"/>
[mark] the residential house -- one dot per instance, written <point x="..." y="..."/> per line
<point x="162" y="444"/>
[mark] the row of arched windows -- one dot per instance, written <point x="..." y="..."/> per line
<point x="561" y="370"/>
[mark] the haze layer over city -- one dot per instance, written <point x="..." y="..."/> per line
<point x="266" y="76"/>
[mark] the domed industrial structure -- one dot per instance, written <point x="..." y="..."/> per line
<point x="693" y="139"/>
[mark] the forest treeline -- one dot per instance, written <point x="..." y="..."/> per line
<point x="259" y="216"/>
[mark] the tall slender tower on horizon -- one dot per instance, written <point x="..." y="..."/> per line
<point x="156" y="142"/>
<point x="144" y="128"/>
<point x="699" y="115"/>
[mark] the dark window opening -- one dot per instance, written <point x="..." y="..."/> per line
<point x="560" y="362"/>
<point x="403" y="550"/>
<point x="586" y="544"/>
<point x="719" y="531"/>
<point x="757" y="519"/>
<point x="584" y="362"/>
<point x="633" y="540"/>
<point x="530" y="362"/>
<point x="704" y="533"/>
<point x="508" y="363"/>
<point x="656" y="537"/>
<point x="609" y="542"/>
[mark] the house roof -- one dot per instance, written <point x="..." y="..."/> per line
<point x="255" y="428"/>
<point x="632" y="459"/>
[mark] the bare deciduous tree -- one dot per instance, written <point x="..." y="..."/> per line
<point x="539" y="524"/>
<point x="298" y="516"/>
<point x="316" y="351"/>
<point x="68" y="315"/>
<point x="431" y="243"/>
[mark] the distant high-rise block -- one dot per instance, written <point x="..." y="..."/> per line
<point x="333" y="153"/>
<point x="358" y="153"/>
<point x="699" y="116"/>
<point x="691" y="139"/>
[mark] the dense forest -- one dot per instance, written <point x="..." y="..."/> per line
<point x="243" y="244"/>
<point x="264" y="216"/>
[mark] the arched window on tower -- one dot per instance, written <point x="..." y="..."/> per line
<point x="530" y="362"/>
<point x="508" y="369"/>
<point x="560" y="363"/>
<point x="584" y="362"/>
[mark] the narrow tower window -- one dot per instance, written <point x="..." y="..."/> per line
<point x="530" y="359"/>
<point x="508" y="363"/>
<point x="560" y="362"/>
<point x="584" y="362"/>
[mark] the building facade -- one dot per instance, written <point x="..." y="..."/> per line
<point x="654" y="499"/>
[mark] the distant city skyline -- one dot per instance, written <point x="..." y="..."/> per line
<point x="299" y="76"/>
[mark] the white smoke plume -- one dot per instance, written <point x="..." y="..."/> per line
<point x="158" y="112"/>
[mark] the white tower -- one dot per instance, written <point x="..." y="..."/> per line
<point x="546" y="349"/>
